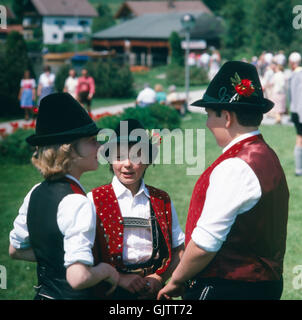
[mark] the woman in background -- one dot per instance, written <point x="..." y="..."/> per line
<point x="27" y="93"/>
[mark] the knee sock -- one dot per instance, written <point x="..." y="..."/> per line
<point x="298" y="159"/>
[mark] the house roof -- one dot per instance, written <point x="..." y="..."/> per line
<point x="10" y="13"/>
<point x="64" y="8"/>
<point x="12" y="27"/>
<point x="139" y="8"/>
<point x="157" y="26"/>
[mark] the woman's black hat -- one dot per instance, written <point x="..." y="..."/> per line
<point x="61" y="119"/>
<point x="235" y="87"/>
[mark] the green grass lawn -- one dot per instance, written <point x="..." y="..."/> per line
<point x="16" y="180"/>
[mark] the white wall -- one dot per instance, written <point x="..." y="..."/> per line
<point x="54" y="34"/>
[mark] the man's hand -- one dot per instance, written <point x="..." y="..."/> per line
<point x="172" y="289"/>
<point x="132" y="282"/>
<point x="154" y="284"/>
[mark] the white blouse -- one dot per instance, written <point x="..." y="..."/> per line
<point x="138" y="241"/>
<point x="76" y="220"/>
<point x="234" y="189"/>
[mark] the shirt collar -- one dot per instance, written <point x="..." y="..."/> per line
<point x="240" y="138"/>
<point x="120" y="189"/>
<point x="76" y="181"/>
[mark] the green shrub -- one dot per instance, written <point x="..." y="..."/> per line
<point x="109" y="122"/>
<point x="154" y="117"/>
<point x="15" y="149"/>
<point x="111" y="79"/>
<point x="176" y="75"/>
<point x="61" y="76"/>
<point x="167" y="116"/>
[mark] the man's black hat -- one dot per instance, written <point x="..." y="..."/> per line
<point x="61" y="119"/>
<point x="235" y="87"/>
<point x="131" y="131"/>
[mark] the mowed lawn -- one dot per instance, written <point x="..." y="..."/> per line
<point x="16" y="181"/>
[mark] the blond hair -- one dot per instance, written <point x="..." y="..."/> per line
<point x="158" y="88"/>
<point x="54" y="161"/>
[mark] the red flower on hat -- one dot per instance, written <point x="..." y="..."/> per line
<point x="242" y="87"/>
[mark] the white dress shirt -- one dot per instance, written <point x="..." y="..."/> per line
<point x="233" y="189"/>
<point x="147" y="95"/>
<point x="138" y="241"/>
<point x="76" y="220"/>
<point x="47" y="80"/>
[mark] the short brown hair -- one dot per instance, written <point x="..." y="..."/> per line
<point x="245" y="119"/>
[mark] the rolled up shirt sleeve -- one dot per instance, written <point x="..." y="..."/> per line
<point x="234" y="189"/>
<point x="76" y="220"/>
<point x="19" y="236"/>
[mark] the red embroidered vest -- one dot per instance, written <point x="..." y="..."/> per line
<point x="110" y="229"/>
<point x="255" y="247"/>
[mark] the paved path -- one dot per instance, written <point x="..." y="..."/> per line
<point x="194" y="95"/>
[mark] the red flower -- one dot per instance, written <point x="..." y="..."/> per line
<point x="15" y="126"/>
<point x="245" y="88"/>
<point x="246" y="82"/>
<point x="2" y="132"/>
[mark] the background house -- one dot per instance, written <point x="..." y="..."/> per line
<point x="58" y="20"/>
<point x="10" y="26"/>
<point x="143" y="37"/>
<point x="131" y="9"/>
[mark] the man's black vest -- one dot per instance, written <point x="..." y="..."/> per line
<point x="46" y="240"/>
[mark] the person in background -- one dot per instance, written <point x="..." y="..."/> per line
<point x="71" y="83"/>
<point x="46" y="83"/>
<point x="295" y="98"/>
<point x="266" y="81"/>
<point x="27" y="93"/>
<point x="172" y="95"/>
<point x="85" y="89"/>
<point x="146" y="97"/>
<point x="278" y="92"/>
<point x="214" y="64"/>
<point x="160" y="94"/>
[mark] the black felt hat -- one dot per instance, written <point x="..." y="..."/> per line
<point x="235" y="87"/>
<point x="132" y="132"/>
<point x="61" y="119"/>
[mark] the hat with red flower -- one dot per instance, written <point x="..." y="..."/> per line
<point x="235" y="87"/>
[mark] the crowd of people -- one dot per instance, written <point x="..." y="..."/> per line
<point x="81" y="88"/>
<point x="210" y="62"/>
<point x="148" y="96"/>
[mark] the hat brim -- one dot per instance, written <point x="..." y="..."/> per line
<point x="63" y="137"/>
<point x="265" y="107"/>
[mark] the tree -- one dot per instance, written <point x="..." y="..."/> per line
<point x="215" y="6"/>
<point x="15" y="61"/>
<point x="177" y="54"/>
<point x="104" y="20"/>
<point x="271" y="25"/>
<point x="235" y="34"/>
<point x="19" y="7"/>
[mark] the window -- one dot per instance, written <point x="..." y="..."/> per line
<point x="83" y="23"/>
<point x="54" y="35"/>
<point x="60" y="23"/>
